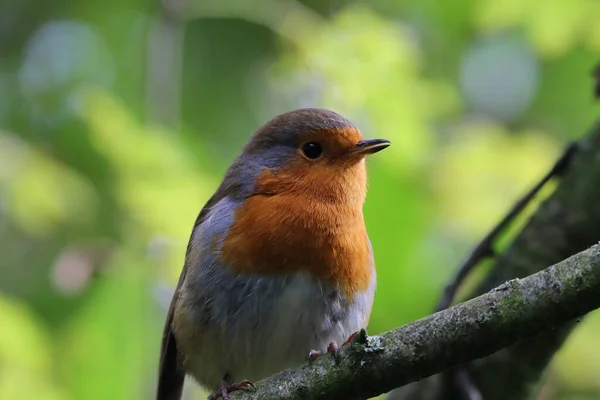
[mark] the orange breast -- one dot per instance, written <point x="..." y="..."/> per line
<point x="313" y="224"/>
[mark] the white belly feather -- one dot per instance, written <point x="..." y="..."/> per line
<point x="254" y="327"/>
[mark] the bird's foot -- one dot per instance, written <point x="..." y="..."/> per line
<point x="331" y="348"/>
<point x="226" y="388"/>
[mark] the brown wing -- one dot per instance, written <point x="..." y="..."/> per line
<point x="170" y="373"/>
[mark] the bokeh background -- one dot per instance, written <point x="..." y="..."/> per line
<point x="118" y="119"/>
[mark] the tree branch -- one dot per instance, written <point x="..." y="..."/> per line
<point x="470" y="330"/>
<point x="567" y="222"/>
<point x="459" y="379"/>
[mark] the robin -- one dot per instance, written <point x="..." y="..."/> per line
<point x="279" y="265"/>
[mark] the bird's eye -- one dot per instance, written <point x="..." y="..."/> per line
<point x="312" y="150"/>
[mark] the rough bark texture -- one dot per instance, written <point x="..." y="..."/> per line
<point x="566" y="223"/>
<point x="515" y="310"/>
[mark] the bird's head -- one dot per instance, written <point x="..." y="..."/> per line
<point x="313" y="153"/>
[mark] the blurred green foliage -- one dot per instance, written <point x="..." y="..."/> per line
<point x="118" y="119"/>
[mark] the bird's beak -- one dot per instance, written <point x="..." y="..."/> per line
<point x="370" y="146"/>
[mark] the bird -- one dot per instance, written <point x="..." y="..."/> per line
<point x="279" y="267"/>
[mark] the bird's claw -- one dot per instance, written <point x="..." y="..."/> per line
<point x="332" y="348"/>
<point x="224" y="389"/>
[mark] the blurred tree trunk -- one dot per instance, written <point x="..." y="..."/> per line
<point x="164" y="65"/>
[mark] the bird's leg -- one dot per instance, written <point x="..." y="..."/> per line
<point x="225" y="388"/>
<point x="331" y="348"/>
